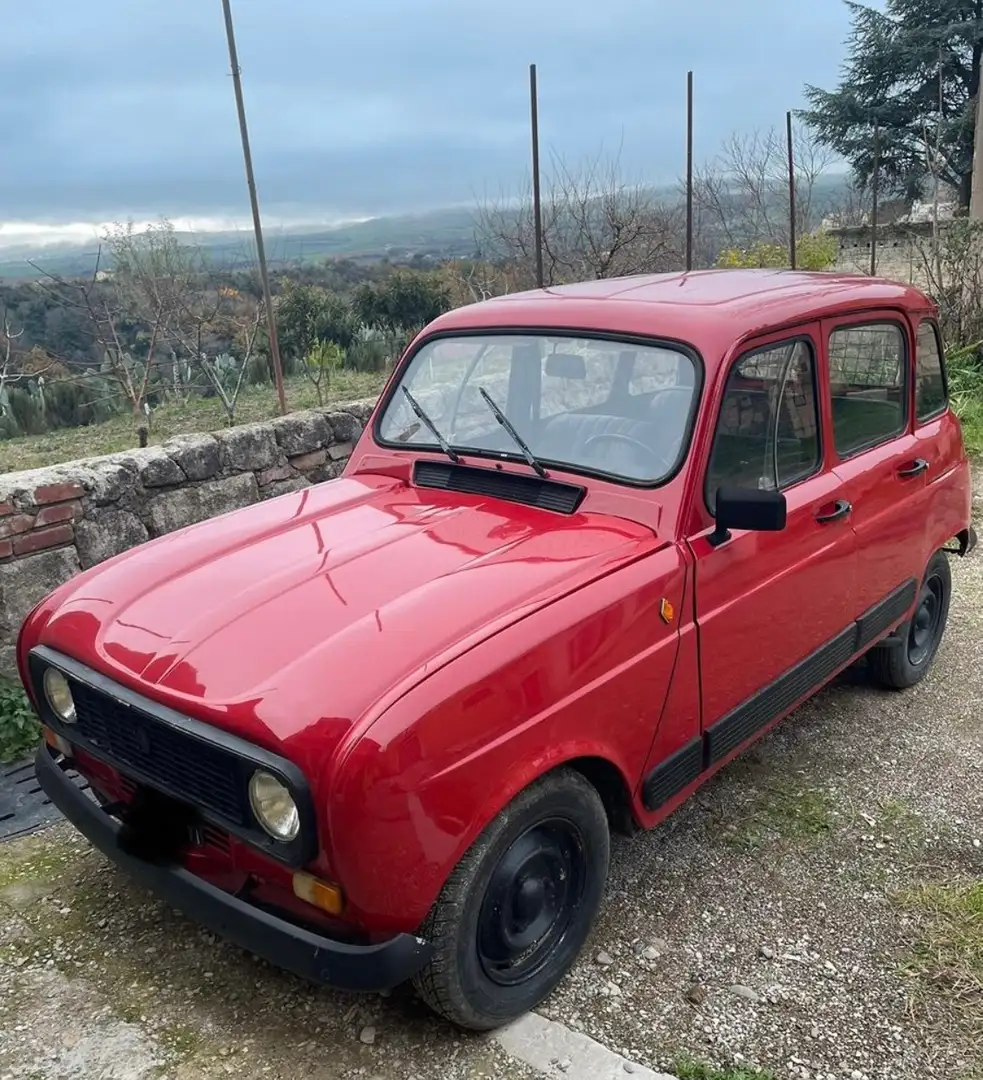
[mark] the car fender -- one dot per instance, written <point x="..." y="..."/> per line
<point x="585" y="677"/>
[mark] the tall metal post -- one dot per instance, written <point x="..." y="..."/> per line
<point x="257" y="224"/>
<point x="537" y="206"/>
<point x="689" y="170"/>
<point x="874" y="180"/>
<point x="791" y="190"/>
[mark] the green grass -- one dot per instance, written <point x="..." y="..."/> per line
<point x="19" y="732"/>
<point x="946" y="957"/>
<point x="785" y="811"/>
<point x="687" y="1068"/>
<point x="971" y="415"/>
<point x="174" y="418"/>
<point x="966" y="393"/>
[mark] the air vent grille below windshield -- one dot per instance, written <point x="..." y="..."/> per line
<point x="496" y="484"/>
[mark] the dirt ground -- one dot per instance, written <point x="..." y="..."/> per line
<point x="815" y="912"/>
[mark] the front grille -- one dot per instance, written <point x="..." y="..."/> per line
<point x="191" y="770"/>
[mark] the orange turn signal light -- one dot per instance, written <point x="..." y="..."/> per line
<point x="666" y="611"/>
<point x="321" y="894"/>
<point x="56" y="742"/>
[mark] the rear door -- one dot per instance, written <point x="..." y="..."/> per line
<point x="774" y="610"/>
<point x="879" y="460"/>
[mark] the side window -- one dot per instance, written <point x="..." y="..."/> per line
<point x="930" y="383"/>
<point x="768" y="431"/>
<point x="867" y="385"/>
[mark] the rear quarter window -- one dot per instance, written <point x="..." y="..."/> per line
<point x="931" y="397"/>
<point x="867" y="383"/>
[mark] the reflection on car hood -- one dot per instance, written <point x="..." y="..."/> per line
<point x="324" y="600"/>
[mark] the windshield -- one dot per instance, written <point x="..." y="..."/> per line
<point x="579" y="403"/>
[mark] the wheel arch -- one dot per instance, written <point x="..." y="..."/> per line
<point x="610" y="783"/>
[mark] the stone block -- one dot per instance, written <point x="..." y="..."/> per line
<point x="345" y="426"/>
<point x="284" y="487"/>
<point x="24" y="582"/>
<point x="174" y="510"/>
<point x="249" y="448"/>
<point x="198" y="456"/>
<point x="107" y="533"/>
<point x="156" y="468"/>
<point x="278" y="472"/>
<point x="340" y="451"/>
<point x="306" y="462"/>
<point x="302" y="433"/>
<point x="114" y="478"/>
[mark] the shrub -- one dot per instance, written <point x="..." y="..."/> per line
<point x="19" y="731"/>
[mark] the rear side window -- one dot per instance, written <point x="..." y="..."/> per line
<point x="867" y="385"/>
<point x="767" y="433"/>
<point x="930" y="391"/>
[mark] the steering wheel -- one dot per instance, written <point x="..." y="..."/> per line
<point x="647" y="451"/>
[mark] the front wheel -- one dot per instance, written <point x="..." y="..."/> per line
<point x="902" y="665"/>
<point x="518" y="907"/>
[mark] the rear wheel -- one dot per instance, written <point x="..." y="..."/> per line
<point x="903" y="664"/>
<point x="517" y="909"/>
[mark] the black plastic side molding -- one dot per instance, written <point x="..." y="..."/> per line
<point x="741" y="724"/>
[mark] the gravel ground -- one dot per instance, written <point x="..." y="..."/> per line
<point x="815" y="912"/>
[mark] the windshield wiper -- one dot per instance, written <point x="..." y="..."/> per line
<point x="441" y="441"/>
<point x="516" y="437"/>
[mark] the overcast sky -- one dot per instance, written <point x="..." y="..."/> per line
<point x="125" y="107"/>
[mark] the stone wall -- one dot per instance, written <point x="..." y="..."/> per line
<point x="59" y="520"/>
<point x="900" y="252"/>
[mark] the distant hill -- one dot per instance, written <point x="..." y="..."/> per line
<point x="440" y="234"/>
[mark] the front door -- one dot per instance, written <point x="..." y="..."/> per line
<point x="774" y="610"/>
<point x="880" y="461"/>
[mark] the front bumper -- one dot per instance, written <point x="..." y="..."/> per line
<point x="310" y="955"/>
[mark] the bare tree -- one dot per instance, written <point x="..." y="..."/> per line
<point x="11" y="368"/>
<point x="141" y="293"/>
<point x="595" y="225"/>
<point x="227" y="373"/>
<point x="741" y="196"/>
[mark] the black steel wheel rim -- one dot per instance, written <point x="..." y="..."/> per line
<point x="531" y="901"/>
<point x="924" y="628"/>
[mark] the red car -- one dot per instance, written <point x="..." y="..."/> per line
<point x="595" y="541"/>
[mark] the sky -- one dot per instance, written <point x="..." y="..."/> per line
<point x="124" y="108"/>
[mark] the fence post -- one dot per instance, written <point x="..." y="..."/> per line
<point x="537" y="206"/>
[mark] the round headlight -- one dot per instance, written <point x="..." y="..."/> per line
<point x="59" y="695"/>
<point x="274" y="806"/>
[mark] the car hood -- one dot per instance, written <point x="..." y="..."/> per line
<point x="299" y="614"/>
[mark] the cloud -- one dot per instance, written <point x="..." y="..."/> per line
<point x="362" y="107"/>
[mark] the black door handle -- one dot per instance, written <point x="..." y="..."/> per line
<point x="919" y="466"/>
<point x="842" y="509"/>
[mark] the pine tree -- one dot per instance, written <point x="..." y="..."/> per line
<point x="914" y="71"/>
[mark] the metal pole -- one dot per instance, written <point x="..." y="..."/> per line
<point x="791" y="190"/>
<point x="873" y="199"/>
<point x="257" y="225"/>
<point x="689" y="170"/>
<point x="537" y="206"/>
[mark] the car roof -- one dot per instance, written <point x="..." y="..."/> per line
<point x="709" y="309"/>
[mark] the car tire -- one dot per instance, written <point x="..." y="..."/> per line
<point x="898" y="666"/>
<point x="517" y="909"/>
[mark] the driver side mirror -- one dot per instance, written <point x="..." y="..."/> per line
<point x="747" y="508"/>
